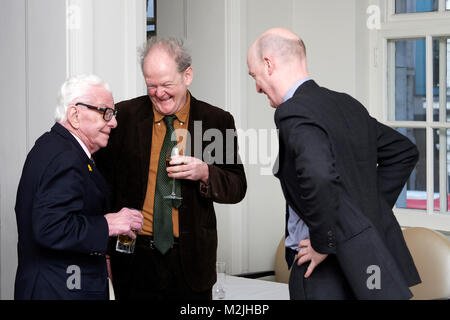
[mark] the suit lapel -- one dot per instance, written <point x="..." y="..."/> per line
<point x="145" y="131"/>
<point x="194" y="141"/>
<point x="99" y="181"/>
<point x="144" y="143"/>
<point x="193" y="116"/>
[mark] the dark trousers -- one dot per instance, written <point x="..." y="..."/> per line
<point x="327" y="282"/>
<point x="148" y="275"/>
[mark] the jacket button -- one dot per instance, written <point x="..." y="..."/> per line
<point x="330" y="233"/>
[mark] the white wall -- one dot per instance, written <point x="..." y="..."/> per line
<point x="330" y="41"/>
<point x="38" y="53"/>
<point x="32" y="60"/>
<point x="266" y="213"/>
<point x="105" y="42"/>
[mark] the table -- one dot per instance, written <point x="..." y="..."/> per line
<point x="239" y="288"/>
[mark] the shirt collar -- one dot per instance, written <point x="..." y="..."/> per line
<point x="294" y="88"/>
<point x="182" y="114"/>
<point x="82" y="145"/>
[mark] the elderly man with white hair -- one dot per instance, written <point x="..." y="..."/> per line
<point x="62" y="200"/>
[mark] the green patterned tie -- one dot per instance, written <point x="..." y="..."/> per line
<point x="162" y="211"/>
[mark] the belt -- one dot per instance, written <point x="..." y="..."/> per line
<point x="148" y="242"/>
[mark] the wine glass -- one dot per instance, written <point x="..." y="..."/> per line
<point x="218" y="288"/>
<point x="175" y="151"/>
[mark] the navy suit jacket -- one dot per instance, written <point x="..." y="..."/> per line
<point x="342" y="171"/>
<point x="63" y="234"/>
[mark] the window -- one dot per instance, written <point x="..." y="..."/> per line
<point x="409" y="6"/>
<point x="151" y="18"/>
<point x="415" y="37"/>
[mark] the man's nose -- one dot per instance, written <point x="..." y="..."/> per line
<point x="160" y="92"/>
<point x="113" y="122"/>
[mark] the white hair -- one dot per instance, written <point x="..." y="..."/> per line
<point x="74" y="90"/>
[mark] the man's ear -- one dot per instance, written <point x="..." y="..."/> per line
<point x="269" y="65"/>
<point x="73" y="116"/>
<point x="188" y="76"/>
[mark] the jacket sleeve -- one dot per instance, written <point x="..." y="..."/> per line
<point x="317" y="191"/>
<point x="60" y="217"/>
<point x="397" y="157"/>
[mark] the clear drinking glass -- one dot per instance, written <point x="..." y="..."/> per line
<point x="125" y="243"/>
<point x="176" y="151"/>
<point x="219" y="290"/>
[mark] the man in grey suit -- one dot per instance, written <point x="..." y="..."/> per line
<point x="341" y="172"/>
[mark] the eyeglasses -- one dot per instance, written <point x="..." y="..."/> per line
<point x="108" y="113"/>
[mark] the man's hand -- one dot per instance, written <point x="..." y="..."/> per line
<point x="124" y="222"/>
<point x="307" y="253"/>
<point x="190" y="168"/>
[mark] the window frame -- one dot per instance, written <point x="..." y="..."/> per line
<point x="151" y="21"/>
<point x="421" y="25"/>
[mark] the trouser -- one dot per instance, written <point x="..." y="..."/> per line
<point x="148" y="275"/>
<point x="327" y="282"/>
